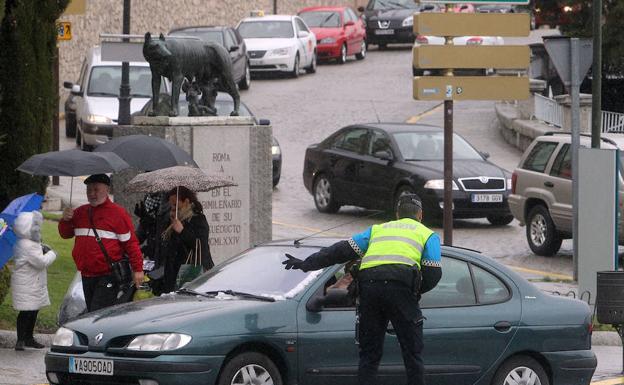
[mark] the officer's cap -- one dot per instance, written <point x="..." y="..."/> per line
<point x="412" y="199"/>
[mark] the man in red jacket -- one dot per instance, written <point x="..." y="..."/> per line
<point x="115" y="229"/>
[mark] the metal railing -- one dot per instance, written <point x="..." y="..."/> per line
<point x="612" y="122"/>
<point x="548" y="111"/>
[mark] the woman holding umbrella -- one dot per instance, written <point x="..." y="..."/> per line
<point x="186" y="237"/>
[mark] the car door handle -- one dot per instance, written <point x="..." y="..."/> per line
<point x="502" y="326"/>
<point x="549" y="184"/>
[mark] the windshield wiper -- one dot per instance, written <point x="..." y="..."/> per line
<point x="241" y="294"/>
<point x="328" y="18"/>
<point x="140" y="96"/>
<point x="193" y="292"/>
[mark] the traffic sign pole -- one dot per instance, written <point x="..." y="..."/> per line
<point x="447" y="219"/>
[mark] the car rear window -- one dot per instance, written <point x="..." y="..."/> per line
<point x="393" y="4"/>
<point x="266" y="29"/>
<point x="539" y="156"/>
<point x="321" y="19"/>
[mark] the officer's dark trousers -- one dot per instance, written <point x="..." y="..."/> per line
<point x="380" y="302"/>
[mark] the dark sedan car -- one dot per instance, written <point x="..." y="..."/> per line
<point x="250" y="321"/>
<point x="231" y="40"/>
<point x="390" y="22"/>
<point x="372" y="165"/>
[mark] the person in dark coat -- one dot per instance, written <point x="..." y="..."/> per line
<point x="188" y="225"/>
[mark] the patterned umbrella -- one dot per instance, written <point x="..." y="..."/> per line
<point x="168" y="178"/>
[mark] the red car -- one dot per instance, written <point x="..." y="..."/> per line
<point x="339" y="32"/>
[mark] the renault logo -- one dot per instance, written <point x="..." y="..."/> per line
<point x="484" y="179"/>
<point x="98" y="338"/>
<point x="383" y="24"/>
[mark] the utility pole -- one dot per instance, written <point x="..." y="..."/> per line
<point x="124" y="89"/>
<point x="597" y="74"/>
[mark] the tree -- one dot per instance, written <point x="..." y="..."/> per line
<point x="28" y="93"/>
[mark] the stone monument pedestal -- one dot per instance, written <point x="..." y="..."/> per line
<point x="234" y="148"/>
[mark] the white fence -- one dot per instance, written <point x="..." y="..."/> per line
<point x="612" y="122"/>
<point x="548" y="110"/>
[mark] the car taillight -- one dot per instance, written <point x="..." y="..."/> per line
<point x="514" y="180"/>
<point x="590" y="328"/>
<point x="474" y="41"/>
<point x="420" y="39"/>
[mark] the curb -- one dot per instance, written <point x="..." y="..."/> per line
<point x="8" y="338"/>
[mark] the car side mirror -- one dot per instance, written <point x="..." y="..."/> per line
<point x="484" y="154"/>
<point x="233" y="48"/>
<point x="264" y="122"/>
<point x="333" y="298"/>
<point x="315" y="304"/>
<point x="360" y="9"/>
<point x="68" y="85"/>
<point x="75" y="90"/>
<point x="383" y="155"/>
<point x="303" y="34"/>
<point x="349" y="23"/>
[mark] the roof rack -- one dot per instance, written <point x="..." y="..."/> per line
<point x="551" y="133"/>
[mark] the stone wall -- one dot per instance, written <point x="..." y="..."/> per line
<point x="156" y="16"/>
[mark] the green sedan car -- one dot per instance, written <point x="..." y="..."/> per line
<point x="249" y="321"/>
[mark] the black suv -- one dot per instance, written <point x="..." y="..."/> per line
<point x="392" y="21"/>
<point x="231" y="40"/>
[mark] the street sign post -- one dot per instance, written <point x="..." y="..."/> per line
<point x="448" y="57"/>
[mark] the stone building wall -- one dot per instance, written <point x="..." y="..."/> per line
<point x="156" y="16"/>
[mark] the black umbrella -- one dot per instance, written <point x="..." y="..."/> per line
<point x="72" y="163"/>
<point x="147" y="152"/>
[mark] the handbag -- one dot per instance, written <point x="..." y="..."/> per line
<point x="120" y="270"/>
<point x="192" y="268"/>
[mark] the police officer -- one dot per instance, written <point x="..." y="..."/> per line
<point x="399" y="261"/>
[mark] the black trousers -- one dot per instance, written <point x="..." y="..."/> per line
<point x="26" y="324"/>
<point x="380" y="302"/>
<point x="99" y="292"/>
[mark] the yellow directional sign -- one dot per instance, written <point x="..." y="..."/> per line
<point x="461" y="56"/>
<point x="471" y="88"/>
<point x="464" y="24"/>
<point x="63" y="30"/>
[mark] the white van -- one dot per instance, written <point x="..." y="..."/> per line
<point x="94" y="98"/>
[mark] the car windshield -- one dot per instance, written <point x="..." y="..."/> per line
<point x="258" y="271"/>
<point x="393" y="4"/>
<point x="266" y="29"/>
<point x="213" y="36"/>
<point x="321" y="19"/>
<point x="105" y="81"/>
<point x="430" y="146"/>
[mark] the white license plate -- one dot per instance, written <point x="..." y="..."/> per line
<point x="384" y="32"/>
<point x="90" y="366"/>
<point x="487" y="198"/>
<point x="257" y="62"/>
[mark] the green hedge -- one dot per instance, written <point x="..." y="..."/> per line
<point x="5" y="282"/>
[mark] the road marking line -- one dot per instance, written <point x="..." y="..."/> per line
<point x="610" y="381"/>
<point x="340" y="235"/>
<point x="540" y="272"/>
<point x="430" y="111"/>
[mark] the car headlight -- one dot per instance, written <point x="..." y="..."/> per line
<point x="508" y="183"/>
<point x="280" y="51"/>
<point x="408" y="21"/>
<point x="327" y="40"/>
<point x="98" y="119"/>
<point x="63" y="337"/>
<point x="159" y="342"/>
<point x="438" y="184"/>
<point x="275" y="150"/>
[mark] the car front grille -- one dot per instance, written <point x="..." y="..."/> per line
<point x="256" y="54"/>
<point x="87" y="379"/>
<point x="482" y="183"/>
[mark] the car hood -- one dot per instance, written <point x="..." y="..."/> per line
<point x="322" y="33"/>
<point x="188" y="314"/>
<point x="109" y="107"/>
<point x="392" y="14"/>
<point x="268" y="44"/>
<point x="461" y="168"/>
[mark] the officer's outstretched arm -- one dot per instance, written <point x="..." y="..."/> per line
<point x="339" y="252"/>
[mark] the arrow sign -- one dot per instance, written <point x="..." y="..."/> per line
<point x="463" y="56"/>
<point x="471" y="88"/>
<point x="479" y="24"/>
<point x="558" y="48"/>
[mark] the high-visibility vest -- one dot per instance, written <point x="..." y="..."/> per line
<point x="396" y="242"/>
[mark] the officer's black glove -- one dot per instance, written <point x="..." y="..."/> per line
<point x="45" y="248"/>
<point x="293" y="263"/>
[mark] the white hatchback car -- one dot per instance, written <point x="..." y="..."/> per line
<point x="281" y="43"/>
